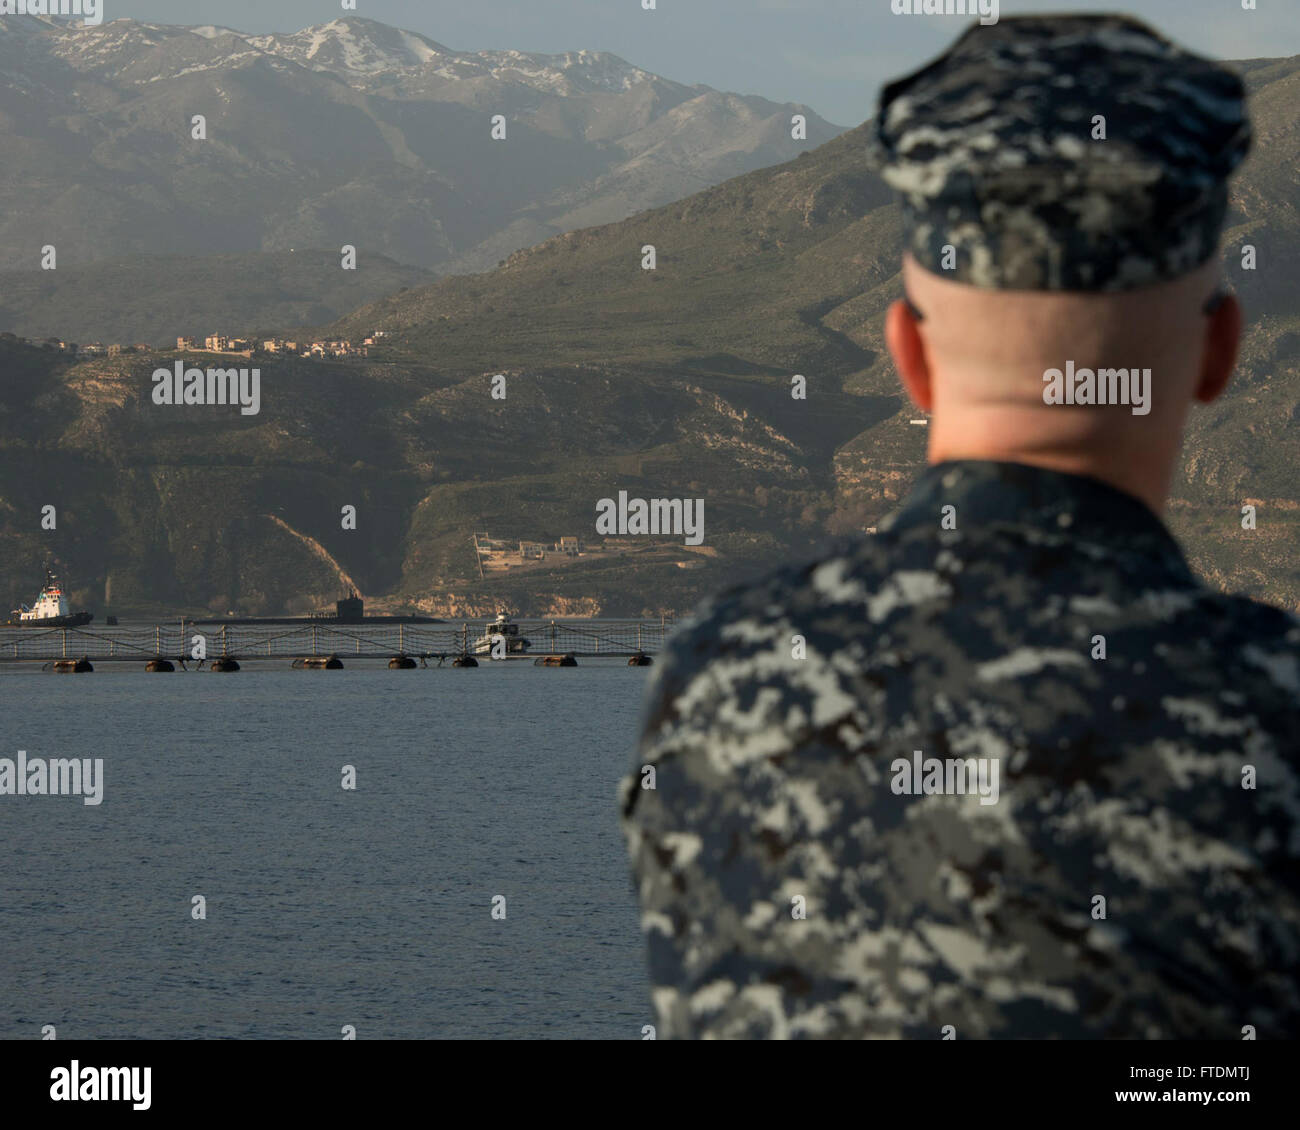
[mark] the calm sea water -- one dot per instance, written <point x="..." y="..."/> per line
<point x="324" y="907"/>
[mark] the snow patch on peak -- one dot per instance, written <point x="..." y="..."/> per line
<point x="359" y="47"/>
<point x="574" y="70"/>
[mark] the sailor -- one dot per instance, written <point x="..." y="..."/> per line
<point x="1063" y="186"/>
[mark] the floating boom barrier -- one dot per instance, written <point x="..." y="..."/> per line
<point x="324" y="645"/>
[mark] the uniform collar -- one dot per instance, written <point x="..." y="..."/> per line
<point x="986" y="494"/>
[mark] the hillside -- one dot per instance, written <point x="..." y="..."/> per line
<point x="205" y="509"/>
<point x="790" y="269"/>
<point x="669" y="382"/>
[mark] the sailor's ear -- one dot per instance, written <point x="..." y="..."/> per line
<point x="903" y="337"/>
<point x="1222" y="337"/>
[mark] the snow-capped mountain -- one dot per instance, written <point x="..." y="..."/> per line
<point x="350" y="132"/>
<point x="360" y="47"/>
<point x="358" y="50"/>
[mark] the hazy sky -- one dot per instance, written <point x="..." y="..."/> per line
<point x="831" y="54"/>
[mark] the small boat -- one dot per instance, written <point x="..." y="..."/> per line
<point x="50" y="610"/>
<point x="505" y="630"/>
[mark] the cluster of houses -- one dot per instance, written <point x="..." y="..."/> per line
<point x="220" y="343"/>
<point x="214" y="343"/>
<point x="502" y="553"/>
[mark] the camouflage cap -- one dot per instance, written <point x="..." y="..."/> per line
<point x="996" y="150"/>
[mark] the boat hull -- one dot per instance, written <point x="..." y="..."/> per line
<point x="76" y="620"/>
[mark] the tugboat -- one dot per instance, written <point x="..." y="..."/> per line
<point x="50" y="610"/>
<point x="506" y="628"/>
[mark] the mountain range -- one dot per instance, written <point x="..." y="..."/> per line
<point x="351" y="133"/>
<point x="671" y="382"/>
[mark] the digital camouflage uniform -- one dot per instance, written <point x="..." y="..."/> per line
<point x="1127" y="883"/>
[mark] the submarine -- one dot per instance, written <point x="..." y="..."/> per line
<point x="350" y="610"/>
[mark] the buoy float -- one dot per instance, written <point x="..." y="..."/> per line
<point x="160" y="665"/>
<point x="401" y="663"/>
<point x="640" y="659"/>
<point x="319" y="663"/>
<point x="73" y="666"/>
<point x="225" y="663"/>
<point x="464" y="661"/>
<point x="555" y="661"/>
